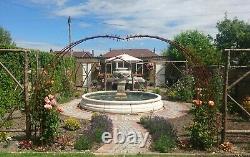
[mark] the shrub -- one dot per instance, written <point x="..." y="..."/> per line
<point x="164" y="144"/>
<point x="162" y="131"/>
<point x="183" y="89"/>
<point x="3" y="136"/>
<point x="157" y="90"/>
<point x="72" y="124"/>
<point x="205" y="125"/>
<point x="99" y="123"/>
<point x="83" y="143"/>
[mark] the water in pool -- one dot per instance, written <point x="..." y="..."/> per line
<point x="131" y="96"/>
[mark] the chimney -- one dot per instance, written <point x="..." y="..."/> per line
<point x="50" y="50"/>
<point x="93" y="53"/>
<point x="154" y="50"/>
<point x="110" y="49"/>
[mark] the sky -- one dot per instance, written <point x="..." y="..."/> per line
<point x="42" y="24"/>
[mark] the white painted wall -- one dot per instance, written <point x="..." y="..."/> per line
<point x="160" y="74"/>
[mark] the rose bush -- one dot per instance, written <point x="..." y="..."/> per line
<point x="205" y="113"/>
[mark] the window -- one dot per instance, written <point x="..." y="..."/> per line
<point x="139" y="68"/>
<point x="108" y="68"/>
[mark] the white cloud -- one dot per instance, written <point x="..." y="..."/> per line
<point x="38" y="45"/>
<point x="71" y="11"/>
<point x="84" y="25"/>
<point x="159" y="17"/>
<point x="48" y="2"/>
<point x="44" y="46"/>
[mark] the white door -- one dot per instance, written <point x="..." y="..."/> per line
<point x="160" y="74"/>
<point x="86" y="74"/>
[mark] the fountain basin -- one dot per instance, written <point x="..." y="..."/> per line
<point x="136" y="102"/>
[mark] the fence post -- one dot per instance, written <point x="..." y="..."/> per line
<point x="26" y="95"/>
<point x="225" y="91"/>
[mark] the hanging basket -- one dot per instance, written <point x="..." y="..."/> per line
<point x="150" y="66"/>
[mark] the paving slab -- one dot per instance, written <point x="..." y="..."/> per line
<point x="125" y="124"/>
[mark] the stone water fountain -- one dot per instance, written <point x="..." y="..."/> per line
<point x="121" y="75"/>
<point x="121" y="101"/>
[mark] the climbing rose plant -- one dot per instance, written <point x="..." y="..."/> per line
<point x="50" y="119"/>
<point x="205" y="113"/>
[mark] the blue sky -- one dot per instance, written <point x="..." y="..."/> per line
<point x="42" y="24"/>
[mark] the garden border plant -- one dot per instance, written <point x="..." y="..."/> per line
<point x="205" y="127"/>
<point x="99" y="124"/>
<point x="162" y="131"/>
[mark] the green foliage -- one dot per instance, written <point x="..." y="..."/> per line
<point x="202" y="131"/>
<point x="162" y="131"/>
<point x="199" y="44"/>
<point x="99" y="124"/>
<point x="72" y="124"/>
<point x="10" y="94"/>
<point x="156" y="90"/>
<point x="183" y="89"/>
<point x="51" y="78"/>
<point x="50" y="123"/>
<point x="205" y="125"/>
<point x="164" y="144"/>
<point x="62" y="76"/>
<point x="5" y="39"/>
<point x="234" y="33"/>
<point x="83" y="143"/>
<point x="46" y="154"/>
<point x="3" y="136"/>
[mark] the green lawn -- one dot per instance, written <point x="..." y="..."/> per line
<point x="79" y="154"/>
<point x="45" y="154"/>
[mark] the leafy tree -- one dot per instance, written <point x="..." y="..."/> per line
<point x="234" y="33"/>
<point x="200" y="45"/>
<point x="5" y="38"/>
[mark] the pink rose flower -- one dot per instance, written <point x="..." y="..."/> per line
<point x="46" y="99"/>
<point x="53" y="102"/>
<point x="48" y="106"/>
<point x="197" y="102"/>
<point x="59" y="109"/>
<point x="51" y="97"/>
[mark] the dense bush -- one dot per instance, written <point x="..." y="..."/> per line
<point x="84" y="143"/>
<point x="53" y="76"/>
<point x="205" y="109"/>
<point x="98" y="125"/>
<point x="60" y="82"/>
<point x="72" y="124"/>
<point x="183" y="89"/>
<point x="162" y="131"/>
<point x="164" y="144"/>
<point x="11" y="95"/>
<point x="199" y="44"/>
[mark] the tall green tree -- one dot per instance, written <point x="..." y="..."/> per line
<point x="198" y="43"/>
<point x="5" y="39"/>
<point x="234" y="33"/>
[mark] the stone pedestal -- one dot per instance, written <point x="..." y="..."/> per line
<point x="121" y="95"/>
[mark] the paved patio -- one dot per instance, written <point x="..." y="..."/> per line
<point x="128" y="123"/>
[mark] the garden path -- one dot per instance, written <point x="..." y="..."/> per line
<point x="128" y="123"/>
<point x="71" y="109"/>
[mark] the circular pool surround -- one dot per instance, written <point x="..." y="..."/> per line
<point x="136" y="102"/>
